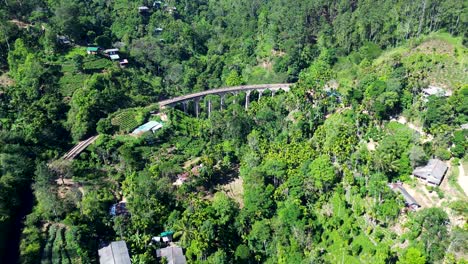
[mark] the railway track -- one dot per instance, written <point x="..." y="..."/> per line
<point x="78" y="148"/>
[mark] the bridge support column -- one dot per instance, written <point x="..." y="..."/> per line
<point x="222" y="97"/>
<point x="209" y="108"/>
<point x="184" y="106"/>
<point x="273" y="92"/>
<point x="260" y="93"/>
<point x="234" y="94"/>
<point x="197" y="106"/>
<point x="247" y="99"/>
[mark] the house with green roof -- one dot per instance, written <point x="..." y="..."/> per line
<point x="92" y="50"/>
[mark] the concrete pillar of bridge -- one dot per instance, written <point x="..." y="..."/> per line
<point x="260" y="93"/>
<point x="247" y="99"/>
<point x="209" y="108"/>
<point x="197" y="106"/>
<point x="273" y="93"/>
<point x="184" y="106"/>
<point x="235" y="95"/>
<point x="222" y="97"/>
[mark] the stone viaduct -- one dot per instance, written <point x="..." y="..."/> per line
<point x="196" y="97"/>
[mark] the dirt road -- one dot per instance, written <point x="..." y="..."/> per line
<point x="463" y="179"/>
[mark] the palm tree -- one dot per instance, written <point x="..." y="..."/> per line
<point x="184" y="231"/>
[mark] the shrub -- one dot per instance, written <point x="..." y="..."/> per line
<point x="30" y="248"/>
<point x="103" y="41"/>
<point x="442" y="153"/>
<point x="439" y="192"/>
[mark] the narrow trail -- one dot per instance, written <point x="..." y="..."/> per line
<point x="463" y="178"/>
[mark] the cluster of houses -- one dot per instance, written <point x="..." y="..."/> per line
<point x="431" y="174"/>
<point x="117" y="252"/>
<point x="112" y="54"/>
<point x="157" y="5"/>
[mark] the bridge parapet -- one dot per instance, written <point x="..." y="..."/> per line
<point x="222" y="91"/>
<point x="273" y="87"/>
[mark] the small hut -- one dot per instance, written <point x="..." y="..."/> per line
<point x="143" y="9"/>
<point x="92" y="50"/>
<point x="123" y="63"/>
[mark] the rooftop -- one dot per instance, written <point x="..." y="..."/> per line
<point x="92" y="48"/>
<point x="151" y="125"/>
<point x="115" y="253"/>
<point x="434" y="90"/>
<point x="111" y="50"/>
<point x="433" y="172"/>
<point x="409" y="200"/>
<point x="173" y="254"/>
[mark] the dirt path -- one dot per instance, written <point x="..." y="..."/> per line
<point x="426" y="137"/>
<point x="463" y="178"/>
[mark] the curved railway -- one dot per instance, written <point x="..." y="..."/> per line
<point x="82" y="145"/>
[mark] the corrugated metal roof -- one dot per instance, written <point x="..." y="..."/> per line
<point x="174" y="255"/>
<point x="151" y="125"/>
<point x="433" y="172"/>
<point x="111" y="50"/>
<point x="409" y="200"/>
<point x="115" y="253"/>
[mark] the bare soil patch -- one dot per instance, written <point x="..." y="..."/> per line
<point x="20" y="24"/>
<point x="234" y="190"/>
<point x="435" y="46"/>
<point x="5" y="80"/>
<point x="266" y="64"/>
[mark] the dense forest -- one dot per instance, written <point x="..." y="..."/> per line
<point x="301" y="176"/>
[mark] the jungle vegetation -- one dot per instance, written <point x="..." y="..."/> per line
<point x="312" y="188"/>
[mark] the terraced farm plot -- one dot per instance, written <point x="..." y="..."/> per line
<point x="127" y="120"/>
<point x="71" y="80"/>
<point x="59" y="246"/>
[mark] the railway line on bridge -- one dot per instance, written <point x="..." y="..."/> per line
<point x="260" y="88"/>
<point x="225" y="90"/>
<point x="195" y="97"/>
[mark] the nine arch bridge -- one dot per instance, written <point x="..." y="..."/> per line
<point x="196" y="97"/>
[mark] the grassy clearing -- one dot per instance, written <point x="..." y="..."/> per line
<point x="259" y="74"/>
<point x="75" y="51"/>
<point x="453" y="179"/>
<point x="92" y="62"/>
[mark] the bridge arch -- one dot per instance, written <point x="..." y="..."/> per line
<point x="196" y="97"/>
